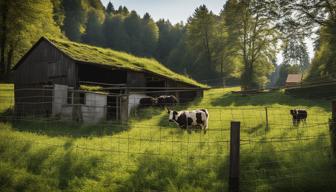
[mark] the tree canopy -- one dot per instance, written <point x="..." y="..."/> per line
<point x="239" y="45"/>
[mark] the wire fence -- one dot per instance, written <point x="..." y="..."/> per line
<point x="274" y="152"/>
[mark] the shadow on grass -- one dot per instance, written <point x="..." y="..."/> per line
<point x="265" y="99"/>
<point x="305" y="167"/>
<point x="163" y="173"/>
<point x="71" y="129"/>
<point x="259" y="129"/>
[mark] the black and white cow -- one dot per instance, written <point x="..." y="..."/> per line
<point x="298" y="115"/>
<point x="166" y="100"/>
<point x="147" y="102"/>
<point x="190" y="119"/>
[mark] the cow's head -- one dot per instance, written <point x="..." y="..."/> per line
<point x="293" y="112"/>
<point x="172" y="115"/>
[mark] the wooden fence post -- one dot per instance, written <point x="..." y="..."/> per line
<point x="234" y="156"/>
<point x="267" y="126"/>
<point x="332" y="126"/>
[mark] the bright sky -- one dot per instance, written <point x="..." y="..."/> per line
<point x="174" y="10"/>
<point x="178" y="10"/>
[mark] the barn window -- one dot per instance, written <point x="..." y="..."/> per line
<point x="82" y="98"/>
<point x="70" y="96"/>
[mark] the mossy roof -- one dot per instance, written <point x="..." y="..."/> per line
<point x="116" y="59"/>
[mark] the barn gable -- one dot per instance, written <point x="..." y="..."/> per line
<point x="44" y="64"/>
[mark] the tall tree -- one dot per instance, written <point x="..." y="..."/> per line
<point x="21" y="25"/>
<point x="4" y="5"/>
<point x="150" y="35"/>
<point x="93" y="34"/>
<point x="58" y="12"/>
<point x="227" y="41"/>
<point x="115" y="34"/>
<point x="133" y="28"/>
<point x="200" y="31"/>
<point x="169" y="38"/>
<point x="258" y="38"/>
<point x="74" y="16"/>
<point x="295" y="53"/>
<point x="110" y="8"/>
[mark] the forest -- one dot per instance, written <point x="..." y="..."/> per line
<point x="238" y="46"/>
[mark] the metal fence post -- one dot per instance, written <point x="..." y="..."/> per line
<point x="267" y="126"/>
<point x="234" y="156"/>
<point x="332" y="126"/>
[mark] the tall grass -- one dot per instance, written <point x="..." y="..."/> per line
<point x="150" y="154"/>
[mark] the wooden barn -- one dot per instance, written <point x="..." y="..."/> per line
<point x="60" y="78"/>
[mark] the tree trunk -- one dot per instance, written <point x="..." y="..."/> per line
<point x="3" y="39"/>
<point x="10" y="56"/>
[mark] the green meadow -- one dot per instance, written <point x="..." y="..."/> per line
<point x="151" y="154"/>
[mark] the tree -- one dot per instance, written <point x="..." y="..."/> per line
<point x="133" y="28"/>
<point x="110" y="8"/>
<point x="58" y="12"/>
<point x="200" y="34"/>
<point x="227" y="41"/>
<point x="258" y="38"/>
<point x="169" y="38"/>
<point x="323" y="65"/>
<point x="115" y="34"/>
<point x="303" y="13"/>
<point x="21" y="25"/>
<point x="3" y="40"/>
<point x="150" y="35"/>
<point x="306" y="17"/>
<point x="93" y="34"/>
<point x="74" y="17"/>
<point x="295" y="53"/>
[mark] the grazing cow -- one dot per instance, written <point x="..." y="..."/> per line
<point x="167" y="100"/>
<point x="147" y="102"/>
<point x="298" y="115"/>
<point x="189" y="119"/>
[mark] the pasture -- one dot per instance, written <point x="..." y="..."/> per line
<point x="151" y="154"/>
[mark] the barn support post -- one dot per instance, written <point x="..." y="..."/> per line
<point x="234" y="156"/>
<point x="332" y="127"/>
<point x="267" y="125"/>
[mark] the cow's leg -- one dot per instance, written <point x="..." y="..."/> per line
<point x="205" y="128"/>
<point x="304" y="121"/>
<point x="295" y="122"/>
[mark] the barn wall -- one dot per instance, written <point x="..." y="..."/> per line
<point x="45" y="65"/>
<point x="60" y="96"/>
<point x="136" y="79"/>
<point x="134" y="100"/>
<point x="33" y="101"/>
<point x="94" y="109"/>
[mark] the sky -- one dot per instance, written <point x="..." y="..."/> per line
<point x="179" y="10"/>
<point x="174" y="10"/>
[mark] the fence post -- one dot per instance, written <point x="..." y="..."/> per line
<point x="332" y="126"/>
<point x="267" y="126"/>
<point x="234" y="156"/>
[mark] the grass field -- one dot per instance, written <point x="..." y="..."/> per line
<point x="150" y="154"/>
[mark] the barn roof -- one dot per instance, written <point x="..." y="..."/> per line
<point x="115" y="59"/>
<point x="294" y="78"/>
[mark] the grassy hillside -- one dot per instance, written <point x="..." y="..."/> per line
<point x="150" y="154"/>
